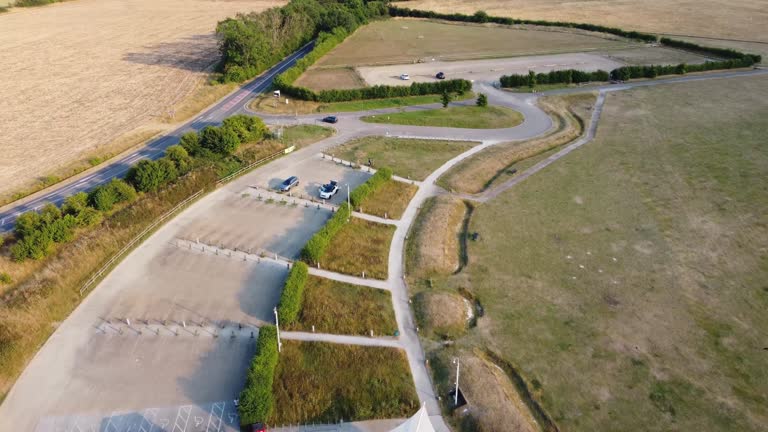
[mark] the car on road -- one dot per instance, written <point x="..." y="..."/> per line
<point x="330" y="119"/>
<point x="405" y="77"/>
<point x="256" y="427"/>
<point x="290" y="182"/>
<point x="329" y="190"/>
<point x="440" y="75"/>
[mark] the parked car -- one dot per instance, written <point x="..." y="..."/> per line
<point x="288" y="184"/>
<point x="405" y="77"/>
<point x="329" y="190"/>
<point x="330" y="119"/>
<point x="440" y="75"/>
<point x="256" y="427"/>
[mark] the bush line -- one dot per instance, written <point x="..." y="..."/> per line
<point x="292" y="298"/>
<point x="318" y="244"/>
<point x="256" y="401"/>
<point x="382" y="176"/>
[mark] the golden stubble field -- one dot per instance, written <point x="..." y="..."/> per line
<point x="79" y="75"/>
<point x="740" y="19"/>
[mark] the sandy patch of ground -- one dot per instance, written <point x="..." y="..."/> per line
<point x="484" y="70"/>
<point x="743" y="19"/>
<point x="78" y="75"/>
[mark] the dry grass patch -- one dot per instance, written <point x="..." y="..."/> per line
<point x="361" y="246"/>
<point x="409" y="158"/>
<point x="324" y="383"/>
<point x="119" y="67"/>
<point x="328" y="79"/>
<point x="441" y="314"/>
<point x="400" y="41"/>
<point x="743" y="20"/>
<point x="475" y="174"/>
<point x="434" y="244"/>
<point x="202" y="97"/>
<point x="390" y="200"/>
<point x="341" y="308"/>
<point x="268" y="104"/>
<point x="628" y="280"/>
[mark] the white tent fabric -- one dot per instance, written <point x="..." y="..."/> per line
<point x="418" y="423"/>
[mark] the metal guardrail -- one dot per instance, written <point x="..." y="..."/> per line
<point x="139" y="237"/>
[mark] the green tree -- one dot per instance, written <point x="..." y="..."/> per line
<point x="75" y="204"/>
<point x="445" y="99"/>
<point x="219" y="140"/>
<point x="180" y="158"/>
<point x="531" y="79"/>
<point x="190" y="141"/>
<point x="102" y="198"/>
<point x="27" y="223"/>
<point x="481" y="16"/>
<point x="247" y="128"/>
<point x="482" y="100"/>
<point x="123" y="191"/>
<point x="167" y="169"/>
<point x="146" y="176"/>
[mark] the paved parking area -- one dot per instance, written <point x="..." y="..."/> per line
<point x="186" y="285"/>
<point x="313" y="173"/>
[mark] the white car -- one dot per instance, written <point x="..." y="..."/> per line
<point x="329" y="190"/>
<point x="405" y="77"/>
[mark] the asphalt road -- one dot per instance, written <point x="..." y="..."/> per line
<point x="230" y="105"/>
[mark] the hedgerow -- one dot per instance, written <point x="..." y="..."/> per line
<point x="292" y="298"/>
<point x="317" y="245"/>
<point x="382" y="176"/>
<point x="567" y="76"/>
<point x="256" y="401"/>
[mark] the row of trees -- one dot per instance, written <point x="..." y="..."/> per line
<point x="251" y="43"/>
<point x="458" y="86"/>
<point x="725" y="53"/>
<point x="36" y="232"/>
<point x="567" y="76"/>
<point x="482" y="17"/>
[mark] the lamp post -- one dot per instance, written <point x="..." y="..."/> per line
<point x="456" y="395"/>
<point x="280" y="344"/>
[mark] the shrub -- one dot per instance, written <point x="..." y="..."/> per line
<point x="75" y="204"/>
<point x="89" y="216"/>
<point x="482" y="100"/>
<point x="256" y="401"/>
<point x="5" y="278"/>
<point x="146" y="176"/>
<point x="180" y="158"/>
<point x="382" y="176"/>
<point x="190" y="141"/>
<point x="317" y="245"/>
<point x="123" y="191"/>
<point x="49" y="214"/>
<point x="36" y="245"/>
<point x="247" y="128"/>
<point x="167" y="169"/>
<point x="445" y="99"/>
<point x="292" y="298"/>
<point x="27" y="224"/>
<point x="102" y="198"/>
<point x="62" y="230"/>
<point x="219" y="140"/>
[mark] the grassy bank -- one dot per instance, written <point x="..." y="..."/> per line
<point x="468" y="117"/>
<point x="630" y="287"/>
<point x="324" y="383"/>
<point x="570" y="114"/>
<point x="340" y="308"/>
<point x="268" y="104"/>
<point x="409" y="158"/>
<point x="360" y="246"/>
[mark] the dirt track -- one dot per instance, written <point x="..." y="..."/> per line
<point x="78" y="75"/>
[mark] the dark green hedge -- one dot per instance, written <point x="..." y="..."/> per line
<point x="292" y="298"/>
<point x="554" y="77"/>
<point x="482" y="17"/>
<point x="725" y="53"/>
<point x="377" y="180"/>
<point x="256" y="401"/>
<point x="317" y="245"/>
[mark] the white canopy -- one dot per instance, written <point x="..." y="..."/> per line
<point x="418" y="423"/>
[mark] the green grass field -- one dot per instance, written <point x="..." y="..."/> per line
<point x="627" y="281"/>
<point x="468" y="117"/>
<point x="301" y="135"/>
<point x="390" y="200"/>
<point x="361" y="246"/>
<point x="324" y="383"/>
<point x="410" y="158"/>
<point x="340" y="308"/>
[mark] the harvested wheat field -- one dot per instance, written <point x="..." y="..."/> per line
<point x="79" y="75"/>
<point x="741" y="19"/>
